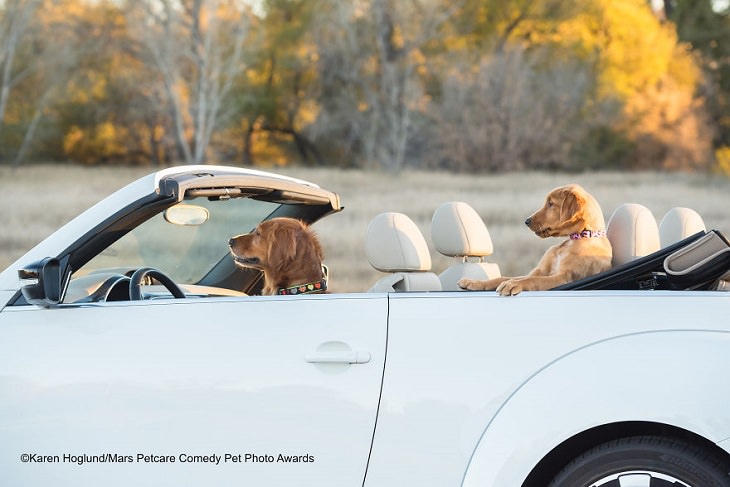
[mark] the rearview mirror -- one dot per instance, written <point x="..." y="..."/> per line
<point x="45" y="282"/>
<point x="188" y="215"/>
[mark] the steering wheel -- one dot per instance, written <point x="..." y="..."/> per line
<point x="135" y="283"/>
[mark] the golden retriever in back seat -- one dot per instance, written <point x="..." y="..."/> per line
<point x="289" y="254"/>
<point x="569" y="211"/>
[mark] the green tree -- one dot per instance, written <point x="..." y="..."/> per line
<point x="275" y="94"/>
<point x="707" y="31"/>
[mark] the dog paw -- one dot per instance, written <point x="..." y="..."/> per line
<point x="464" y="283"/>
<point x="512" y="287"/>
<point x="469" y="284"/>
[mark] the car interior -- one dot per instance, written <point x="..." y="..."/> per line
<point x="677" y="254"/>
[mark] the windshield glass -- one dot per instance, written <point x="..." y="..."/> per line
<point x="185" y="251"/>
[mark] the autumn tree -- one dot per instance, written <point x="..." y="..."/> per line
<point x="196" y="49"/>
<point x="655" y="76"/>
<point x="275" y="95"/>
<point x="373" y="73"/>
<point x="468" y="84"/>
<point x="73" y="103"/>
<point x="14" y="21"/>
<point x="37" y="54"/>
<point x="511" y="112"/>
<point x="97" y="110"/>
<point x="603" y="85"/>
<point x="707" y="30"/>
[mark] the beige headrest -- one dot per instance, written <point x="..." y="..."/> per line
<point x="633" y="233"/>
<point x="679" y="223"/>
<point x="395" y="244"/>
<point x="457" y="230"/>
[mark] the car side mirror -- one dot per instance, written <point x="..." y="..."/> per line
<point x="45" y="281"/>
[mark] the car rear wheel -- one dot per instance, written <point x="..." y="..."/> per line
<point x="646" y="461"/>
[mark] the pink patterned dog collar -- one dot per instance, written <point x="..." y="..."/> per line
<point x="588" y="234"/>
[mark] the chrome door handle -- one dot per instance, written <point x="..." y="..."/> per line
<point x="351" y="357"/>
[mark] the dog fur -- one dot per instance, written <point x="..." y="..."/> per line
<point x="567" y="210"/>
<point x="285" y="249"/>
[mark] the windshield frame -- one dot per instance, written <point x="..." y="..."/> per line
<point x="305" y="201"/>
<point x="297" y="199"/>
<point x="185" y="253"/>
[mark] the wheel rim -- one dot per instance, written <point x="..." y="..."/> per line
<point x="640" y="478"/>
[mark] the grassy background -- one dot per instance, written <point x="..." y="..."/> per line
<point x="36" y="200"/>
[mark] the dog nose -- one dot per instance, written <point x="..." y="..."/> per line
<point x="527" y="222"/>
<point x="230" y="242"/>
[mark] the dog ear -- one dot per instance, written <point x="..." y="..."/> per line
<point x="569" y="206"/>
<point x="571" y="209"/>
<point x="313" y="250"/>
<point x="282" y="245"/>
<point x="308" y="246"/>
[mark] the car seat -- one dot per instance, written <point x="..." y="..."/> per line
<point x="457" y="230"/>
<point x="395" y="245"/>
<point x="679" y="223"/>
<point x="633" y="233"/>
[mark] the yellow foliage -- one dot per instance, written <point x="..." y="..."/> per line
<point x="270" y="149"/>
<point x="722" y="156"/>
<point x="181" y="91"/>
<point x="158" y="132"/>
<point x="579" y="34"/>
<point x="641" y="64"/>
<point x="644" y="65"/>
<point x="666" y="123"/>
<point x="307" y="114"/>
<point x="72" y="139"/>
<point x="88" y="87"/>
<point x="637" y="49"/>
<point x="397" y="39"/>
<point x="633" y="49"/>
<point x="103" y="141"/>
<point x="108" y="139"/>
<point x="684" y="67"/>
<point x="58" y="11"/>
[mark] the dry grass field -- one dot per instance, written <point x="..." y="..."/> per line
<point x="36" y="200"/>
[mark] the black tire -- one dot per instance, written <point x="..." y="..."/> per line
<point x="646" y="461"/>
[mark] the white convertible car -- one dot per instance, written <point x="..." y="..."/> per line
<point x="133" y="351"/>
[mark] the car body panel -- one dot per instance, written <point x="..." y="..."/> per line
<point x="724" y="444"/>
<point x="504" y="374"/>
<point x="640" y="377"/>
<point x="194" y="377"/>
<point x="5" y="297"/>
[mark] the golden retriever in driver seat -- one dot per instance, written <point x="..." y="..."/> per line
<point x="569" y="211"/>
<point x="289" y="254"/>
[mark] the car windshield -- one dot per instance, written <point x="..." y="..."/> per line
<point x="184" y="250"/>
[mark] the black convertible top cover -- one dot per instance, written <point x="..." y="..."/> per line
<point x="649" y="272"/>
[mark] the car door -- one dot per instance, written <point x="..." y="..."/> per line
<point x="214" y="391"/>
